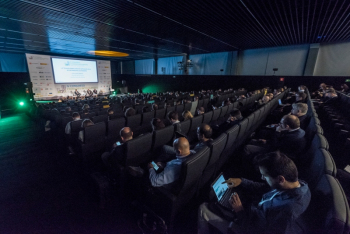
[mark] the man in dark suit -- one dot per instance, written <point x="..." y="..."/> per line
<point x="234" y="118"/>
<point x="288" y="138"/>
<point x="88" y="93"/>
<point x="300" y="110"/>
<point x="77" y="93"/>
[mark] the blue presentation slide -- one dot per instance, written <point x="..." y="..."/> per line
<point x="74" y="71"/>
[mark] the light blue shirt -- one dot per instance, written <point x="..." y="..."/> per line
<point x="170" y="173"/>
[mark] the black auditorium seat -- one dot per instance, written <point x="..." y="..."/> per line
<point x="163" y="137"/>
<point x="230" y="146"/>
<point x="170" y="203"/>
<point x="160" y="113"/>
<point x="114" y="127"/>
<point x="195" y="123"/>
<point x="328" y="211"/>
<point x="216" y="114"/>
<point x="138" y="150"/>
<point x="100" y="118"/>
<point x="207" y="117"/>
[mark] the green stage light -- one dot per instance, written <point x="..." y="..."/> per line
<point x="21" y="103"/>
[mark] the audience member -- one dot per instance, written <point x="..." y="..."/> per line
<point x="84" y="124"/>
<point x="204" y="133"/>
<point x="130" y="112"/>
<point x="187" y="115"/>
<point x="117" y="156"/>
<point x="288" y="138"/>
<point x="200" y="111"/>
<point x="284" y="199"/>
<point x="300" y="110"/>
<point x="154" y="107"/>
<point x="157" y="124"/>
<point x="76" y="116"/>
<point x="234" y="118"/>
<point x="172" y="169"/>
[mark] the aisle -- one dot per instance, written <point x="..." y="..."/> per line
<point x="42" y="190"/>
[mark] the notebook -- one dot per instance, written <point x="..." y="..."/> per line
<point x="222" y="191"/>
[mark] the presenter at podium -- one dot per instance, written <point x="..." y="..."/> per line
<point x="88" y="93"/>
<point x="76" y="92"/>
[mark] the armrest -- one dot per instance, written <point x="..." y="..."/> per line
<point x="166" y="192"/>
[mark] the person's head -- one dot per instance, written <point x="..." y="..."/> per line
<point x="204" y="132"/>
<point x="290" y="122"/>
<point x="110" y="111"/>
<point x="345" y="87"/>
<point x="299" y="109"/>
<point x="154" y="107"/>
<point x="226" y="102"/>
<point x="157" y="124"/>
<point x="187" y="115"/>
<point x="301" y="88"/>
<point x="265" y="99"/>
<point x="85" y="107"/>
<point x="235" y="115"/>
<point x="130" y="112"/>
<point x="76" y="90"/>
<point x="300" y="96"/>
<point x="277" y="170"/>
<point x="323" y="86"/>
<point x="68" y="109"/>
<point x="181" y="146"/>
<point x="173" y="116"/>
<point x="200" y="110"/>
<point x="86" y="123"/>
<point x="126" y="134"/>
<point x="76" y="116"/>
<point x="270" y="95"/>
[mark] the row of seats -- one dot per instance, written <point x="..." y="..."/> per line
<point x="104" y="133"/>
<point x="200" y="169"/>
<point x="328" y="211"/>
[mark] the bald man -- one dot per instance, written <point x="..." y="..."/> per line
<point x="288" y="138"/>
<point x="117" y="156"/>
<point x="172" y="169"/>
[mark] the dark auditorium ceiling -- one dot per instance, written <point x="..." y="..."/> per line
<point x="149" y="28"/>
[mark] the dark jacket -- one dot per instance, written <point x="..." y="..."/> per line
<point x="291" y="143"/>
<point x="276" y="215"/>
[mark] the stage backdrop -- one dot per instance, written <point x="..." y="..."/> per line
<point x="44" y="87"/>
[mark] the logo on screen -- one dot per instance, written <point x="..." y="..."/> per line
<point x="43" y="63"/>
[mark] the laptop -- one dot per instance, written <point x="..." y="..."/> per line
<point x="222" y="191"/>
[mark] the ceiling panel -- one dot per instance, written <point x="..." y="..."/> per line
<point x="153" y="28"/>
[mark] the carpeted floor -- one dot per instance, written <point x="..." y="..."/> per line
<point x="43" y="189"/>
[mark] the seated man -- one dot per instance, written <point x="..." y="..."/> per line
<point x="204" y="133"/>
<point x="173" y="117"/>
<point x="278" y="209"/>
<point x="84" y="124"/>
<point x="172" y="169"/>
<point x="110" y="113"/>
<point x="117" y="155"/>
<point x="300" y="110"/>
<point x="234" y="118"/>
<point x="200" y="111"/>
<point x="77" y="93"/>
<point x="157" y="124"/>
<point x="288" y="138"/>
<point x="88" y="93"/>
<point x="76" y="116"/>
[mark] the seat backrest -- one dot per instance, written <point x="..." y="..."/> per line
<point x="223" y="111"/>
<point x="66" y="120"/>
<point x="114" y="127"/>
<point x="207" y="117"/>
<point x="138" y="150"/>
<point x="162" y="137"/>
<point x="321" y="163"/>
<point x="232" y="134"/>
<point x="188" y="106"/>
<point x="216" y="114"/>
<point x="160" y="113"/>
<point x="191" y="171"/>
<point x="76" y="125"/>
<point x="216" y="148"/>
<point x="200" y="103"/>
<point x="147" y="117"/>
<point x="95" y="133"/>
<point x="196" y="122"/>
<point x="100" y="118"/>
<point x="179" y="109"/>
<point x="330" y="206"/>
<point x="251" y="119"/>
<point x="133" y="121"/>
<point x="205" y="103"/>
<point x="243" y="128"/>
<point x="185" y="126"/>
<point x="168" y="109"/>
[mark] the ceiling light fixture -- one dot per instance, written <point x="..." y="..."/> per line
<point x="108" y="53"/>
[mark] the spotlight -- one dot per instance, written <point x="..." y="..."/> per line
<point x="21" y="103"/>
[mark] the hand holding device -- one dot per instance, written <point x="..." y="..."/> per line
<point x="233" y="182"/>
